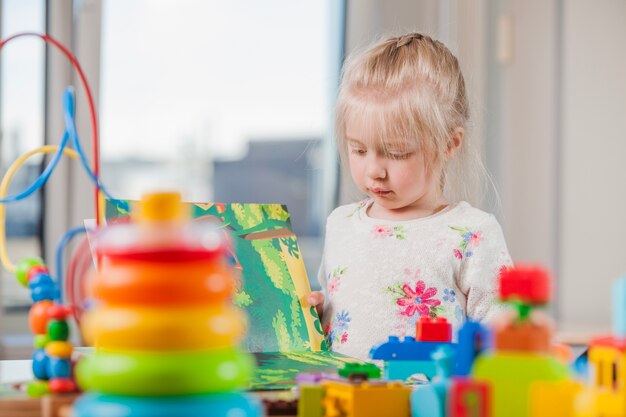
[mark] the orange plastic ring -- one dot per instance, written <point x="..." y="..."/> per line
<point x="122" y="281"/>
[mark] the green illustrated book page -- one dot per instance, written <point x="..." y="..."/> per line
<point x="278" y="370"/>
<point x="272" y="279"/>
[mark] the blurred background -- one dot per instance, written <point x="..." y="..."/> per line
<point x="232" y="101"/>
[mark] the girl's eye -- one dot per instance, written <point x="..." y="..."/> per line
<point x="404" y="155"/>
<point x="358" y="151"/>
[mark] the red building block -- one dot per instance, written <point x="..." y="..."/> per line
<point x="527" y="284"/>
<point x="433" y="330"/>
<point x="468" y="398"/>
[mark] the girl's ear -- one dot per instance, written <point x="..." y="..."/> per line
<point x="455" y="142"/>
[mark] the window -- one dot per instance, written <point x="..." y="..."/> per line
<point x="22" y="67"/>
<point x="225" y="101"/>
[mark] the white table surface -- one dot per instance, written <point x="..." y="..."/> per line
<point x="16" y="371"/>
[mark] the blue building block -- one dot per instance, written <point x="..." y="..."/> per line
<point x="619" y="308"/>
<point x="474" y="338"/>
<point x="401" y="370"/>
<point x="406" y="350"/>
<point x="431" y="400"/>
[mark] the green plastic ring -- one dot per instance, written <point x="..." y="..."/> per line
<point x="169" y="373"/>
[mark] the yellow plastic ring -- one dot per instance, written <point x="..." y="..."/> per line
<point x="164" y="329"/>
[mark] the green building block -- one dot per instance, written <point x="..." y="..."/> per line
<point x="510" y="376"/>
<point x="310" y="401"/>
<point x="351" y="368"/>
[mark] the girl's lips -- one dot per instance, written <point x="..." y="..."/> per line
<point x="380" y="191"/>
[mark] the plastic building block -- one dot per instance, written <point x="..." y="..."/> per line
<point x="527" y="284"/>
<point x="367" y="370"/>
<point x="310" y="402"/>
<point x="366" y="399"/>
<point x="427" y="402"/>
<point x="406" y="350"/>
<point x="469" y="398"/>
<point x="523" y="337"/>
<point x="553" y="399"/>
<point x="619" y="308"/>
<point x="510" y="375"/>
<point x="474" y="338"/>
<point x="608" y="371"/>
<point x="433" y="330"/>
<point x="431" y="400"/>
<point x="402" y="370"/>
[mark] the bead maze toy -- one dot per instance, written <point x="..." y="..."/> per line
<point x="165" y="329"/>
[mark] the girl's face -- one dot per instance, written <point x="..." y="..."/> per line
<point x="396" y="178"/>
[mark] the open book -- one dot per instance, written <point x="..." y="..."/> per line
<point x="284" y="332"/>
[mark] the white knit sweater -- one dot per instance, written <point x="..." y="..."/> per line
<point x="380" y="276"/>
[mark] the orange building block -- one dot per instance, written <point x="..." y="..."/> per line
<point x="366" y="399"/>
<point x="523" y="337"/>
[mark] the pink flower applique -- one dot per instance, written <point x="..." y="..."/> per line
<point x="416" y="300"/>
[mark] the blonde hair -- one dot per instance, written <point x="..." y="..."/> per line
<point x="411" y="90"/>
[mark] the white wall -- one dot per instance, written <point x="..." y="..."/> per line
<point x="593" y="192"/>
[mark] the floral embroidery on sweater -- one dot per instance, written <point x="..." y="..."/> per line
<point x="382" y="232"/>
<point x="469" y="241"/>
<point x="415" y="299"/>
<point x="334" y="279"/>
<point x="337" y="329"/>
<point x="358" y="207"/>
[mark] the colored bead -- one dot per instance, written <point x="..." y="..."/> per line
<point x="59" y="368"/>
<point x="59" y="349"/>
<point x="43" y="293"/>
<point x="61" y="385"/>
<point x="58" y="330"/>
<point x="36" y="270"/>
<point x="23" y="266"/>
<point x="37" y="389"/>
<point x="41" y="340"/>
<point x="38" y="317"/>
<point x="42" y="278"/>
<point x="40" y="364"/>
<point x="59" y="312"/>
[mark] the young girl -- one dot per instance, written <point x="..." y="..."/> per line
<point x="409" y="250"/>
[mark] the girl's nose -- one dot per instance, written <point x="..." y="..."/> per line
<point x="375" y="168"/>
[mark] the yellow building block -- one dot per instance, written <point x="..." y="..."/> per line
<point x="607" y="382"/>
<point x="366" y="399"/>
<point x="553" y="398"/>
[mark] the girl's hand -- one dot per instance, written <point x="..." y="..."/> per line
<point x="316" y="299"/>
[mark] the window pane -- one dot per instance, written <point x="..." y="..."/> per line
<point x="227" y="101"/>
<point x="22" y="129"/>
